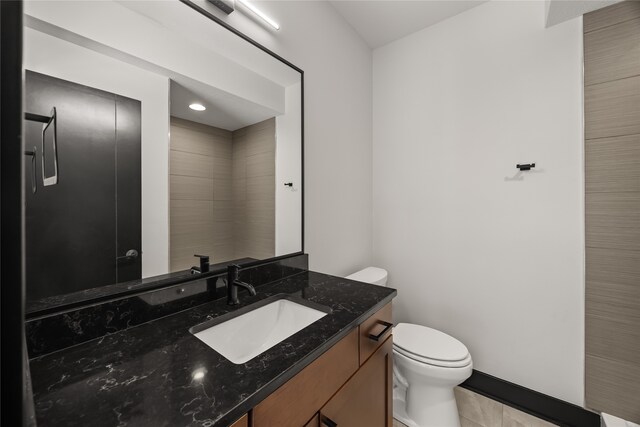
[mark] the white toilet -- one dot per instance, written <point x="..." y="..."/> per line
<point x="428" y="364"/>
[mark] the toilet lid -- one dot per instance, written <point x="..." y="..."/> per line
<point x="374" y="275"/>
<point x="428" y="344"/>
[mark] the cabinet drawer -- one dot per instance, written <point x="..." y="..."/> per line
<point x="293" y="404"/>
<point x="377" y="326"/>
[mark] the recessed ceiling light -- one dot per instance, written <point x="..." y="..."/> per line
<point x="197" y="107"/>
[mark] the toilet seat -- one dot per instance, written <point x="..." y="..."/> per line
<point x="429" y="346"/>
<point x="433" y="362"/>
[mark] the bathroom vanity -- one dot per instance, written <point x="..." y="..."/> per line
<point x="348" y="385"/>
<point x="336" y="371"/>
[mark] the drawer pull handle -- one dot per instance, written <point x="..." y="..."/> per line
<point x="328" y="421"/>
<point x="387" y="328"/>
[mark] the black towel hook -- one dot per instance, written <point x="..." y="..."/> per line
<point x="526" y="166"/>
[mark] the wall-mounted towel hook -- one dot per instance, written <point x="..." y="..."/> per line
<point x="526" y="166"/>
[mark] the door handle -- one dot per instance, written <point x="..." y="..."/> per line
<point x="327" y="421"/>
<point x="131" y="255"/>
<point x="33" y="153"/>
<point x="52" y="126"/>
<point x="49" y="123"/>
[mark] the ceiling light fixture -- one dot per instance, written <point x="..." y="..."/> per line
<point x="197" y="107"/>
<point x="259" y="13"/>
<point x="226" y="6"/>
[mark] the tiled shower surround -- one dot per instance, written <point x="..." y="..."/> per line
<point x="222" y="192"/>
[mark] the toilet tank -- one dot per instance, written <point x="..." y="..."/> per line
<point x="373" y="275"/>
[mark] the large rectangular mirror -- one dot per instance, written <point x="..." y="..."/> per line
<point x="152" y="134"/>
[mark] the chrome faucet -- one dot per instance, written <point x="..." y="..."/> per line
<point x="233" y="273"/>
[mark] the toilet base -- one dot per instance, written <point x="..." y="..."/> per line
<point x="400" y="414"/>
<point x="439" y="417"/>
<point x="429" y="406"/>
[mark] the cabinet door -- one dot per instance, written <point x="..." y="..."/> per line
<point x="242" y="422"/>
<point x="293" y="404"/>
<point x="365" y="400"/>
<point x="315" y="421"/>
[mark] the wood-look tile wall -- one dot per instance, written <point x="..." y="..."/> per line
<point x="254" y="168"/>
<point x="612" y="183"/>
<point x="222" y="192"/>
<point x="201" y="205"/>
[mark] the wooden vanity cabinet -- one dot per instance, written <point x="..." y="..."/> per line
<point x="315" y="421"/>
<point x="366" y="399"/>
<point x="349" y="385"/>
<point x="242" y="422"/>
<point x="295" y="402"/>
<point x="379" y="326"/>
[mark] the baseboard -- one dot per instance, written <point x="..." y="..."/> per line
<point x="532" y="402"/>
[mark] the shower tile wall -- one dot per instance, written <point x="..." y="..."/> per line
<point x="222" y="192"/>
<point x="254" y="159"/>
<point x="612" y="184"/>
<point x="200" y="214"/>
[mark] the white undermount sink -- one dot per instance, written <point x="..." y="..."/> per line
<point x="242" y="338"/>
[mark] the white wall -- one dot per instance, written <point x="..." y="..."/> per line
<point x="161" y="50"/>
<point x="49" y="55"/>
<point x="561" y="10"/>
<point x="288" y="169"/>
<point x="337" y="145"/>
<point x="488" y="255"/>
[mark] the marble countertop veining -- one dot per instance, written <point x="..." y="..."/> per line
<point x="144" y="376"/>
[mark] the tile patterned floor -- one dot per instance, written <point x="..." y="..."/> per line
<point x="479" y="411"/>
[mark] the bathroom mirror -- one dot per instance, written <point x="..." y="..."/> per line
<point x="152" y="134"/>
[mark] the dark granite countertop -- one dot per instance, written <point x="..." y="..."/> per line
<point x="144" y="376"/>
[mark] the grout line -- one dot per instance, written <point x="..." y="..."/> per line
<point x="611" y="81"/>
<point x="635" y="251"/>
<point x="595" y="140"/>
<point x="610" y="25"/>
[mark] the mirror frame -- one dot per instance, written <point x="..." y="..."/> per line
<point x="14" y="399"/>
<point x="126" y="289"/>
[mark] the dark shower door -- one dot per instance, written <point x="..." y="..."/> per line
<point x="79" y="231"/>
